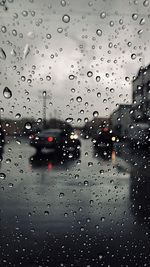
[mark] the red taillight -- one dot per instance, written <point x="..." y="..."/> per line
<point x="50" y="166"/>
<point x="50" y="139"/>
<point x="32" y="136"/>
<point x="105" y="130"/>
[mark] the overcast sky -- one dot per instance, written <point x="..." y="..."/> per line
<point x="42" y="51"/>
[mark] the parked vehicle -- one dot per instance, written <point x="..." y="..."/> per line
<point x="56" y="140"/>
<point x="104" y="138"/>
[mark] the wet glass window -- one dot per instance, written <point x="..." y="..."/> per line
<point x="74" y="133"/>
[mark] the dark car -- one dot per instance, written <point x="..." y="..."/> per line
<point x="56" y="140"/>
<point x="104" y="138"/>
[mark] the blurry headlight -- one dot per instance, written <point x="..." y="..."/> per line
<point x="73" y="136"/>
<point x="113" y="138"/>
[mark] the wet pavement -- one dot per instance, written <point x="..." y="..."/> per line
<point x="91" y="209"/>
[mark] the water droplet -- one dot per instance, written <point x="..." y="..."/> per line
<point x="129" y="44"/>
<point x="142" y="21"/>
<point x="99" y="94"/>
<point x="69" y="120"/>
<point x="63" y="3"/>
<point x="10" y="185"/>
<point x="7" y="93"/>
<point x="120" y="21"/>
<point x="111" y="23"/>
<point x="98" y="78"/>
<point x="90" y="164"/>
<point x="18" y="115"/>
<point x="48" y="36"/>
<point x="24" y="13"/>
<point x="14" y="32"/>
<point x="103" y="15"/>
<point x="95" y="114"/>
<point x="100" y="257"/>
<point x="89" y="74"/>
<point x="29" y="81"/>
<point x="146" y="3"/>
<point x="86" y="183"/>
<point x="99" y="32"/>
<point x="61" y="195"/>
<point x="39" y="120"/>
<point x="13" y="53"/>
<point x="79" y="99"/>
<point x="3" y="29"/>
<point x="48" y="78"/>
<point x="133" y="56"/>
<point x="73" y="90"/>
<point x="71" y="77"/>
<point x="23" y="78"/>
<point x="102" y="219"/>
<point x="140" y="32"/>
<point x="46" y="212"/>
<point x="60" y="30"/>
<point x="134" y="16"/>
<point x="26" y="51"/>
<point x="28" y="125"/>
<point x="112" y="90"/>
<point x="2" y="176"/>
<point x="8" y="161"/>
<point x="66" y="18"/>
<point x="2" y="54"/>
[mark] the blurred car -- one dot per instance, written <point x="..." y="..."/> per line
<point x="56" y="140"/>
<point x="104" y="138"/>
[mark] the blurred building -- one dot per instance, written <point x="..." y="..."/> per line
<point x="133" y="121"/>
<point x="121" y="120"/>
<point x="141" y="95"/>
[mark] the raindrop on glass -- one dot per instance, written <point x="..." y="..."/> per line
<point x="14" y="32"/>
<point x="3" y="29"/>
<point x="95" y="114"/>
<point x="98" y="78"/>
<point x="7" y="93"/>
<point x="146" y="3"/>
<point x="133" y="56"/>
<point x="28" y="126"/>
<point x="79" y="99"/>
<point x="2" y="54"/>
<point x="103" y="15"/>
<point x="18" y="115"/>
<point x="59" y="30"/>
<point x="2" y="176"/>
<point x="66" y="18"/>
<point x="89" y="74"/>
<point x="61" y="195"/>
<point x="63" y="3"/>
<point x="99" y="32"/>
<point x="48" y="36"/>
<point x="135" y="16"/>
<point x="46" y="212"/>
<point x="98" y="94"/>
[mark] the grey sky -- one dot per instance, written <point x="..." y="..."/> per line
<point x="74" y="51"/>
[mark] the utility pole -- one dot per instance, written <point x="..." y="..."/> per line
<point x="44" y="98"/>
<point x="44" y="109"/>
